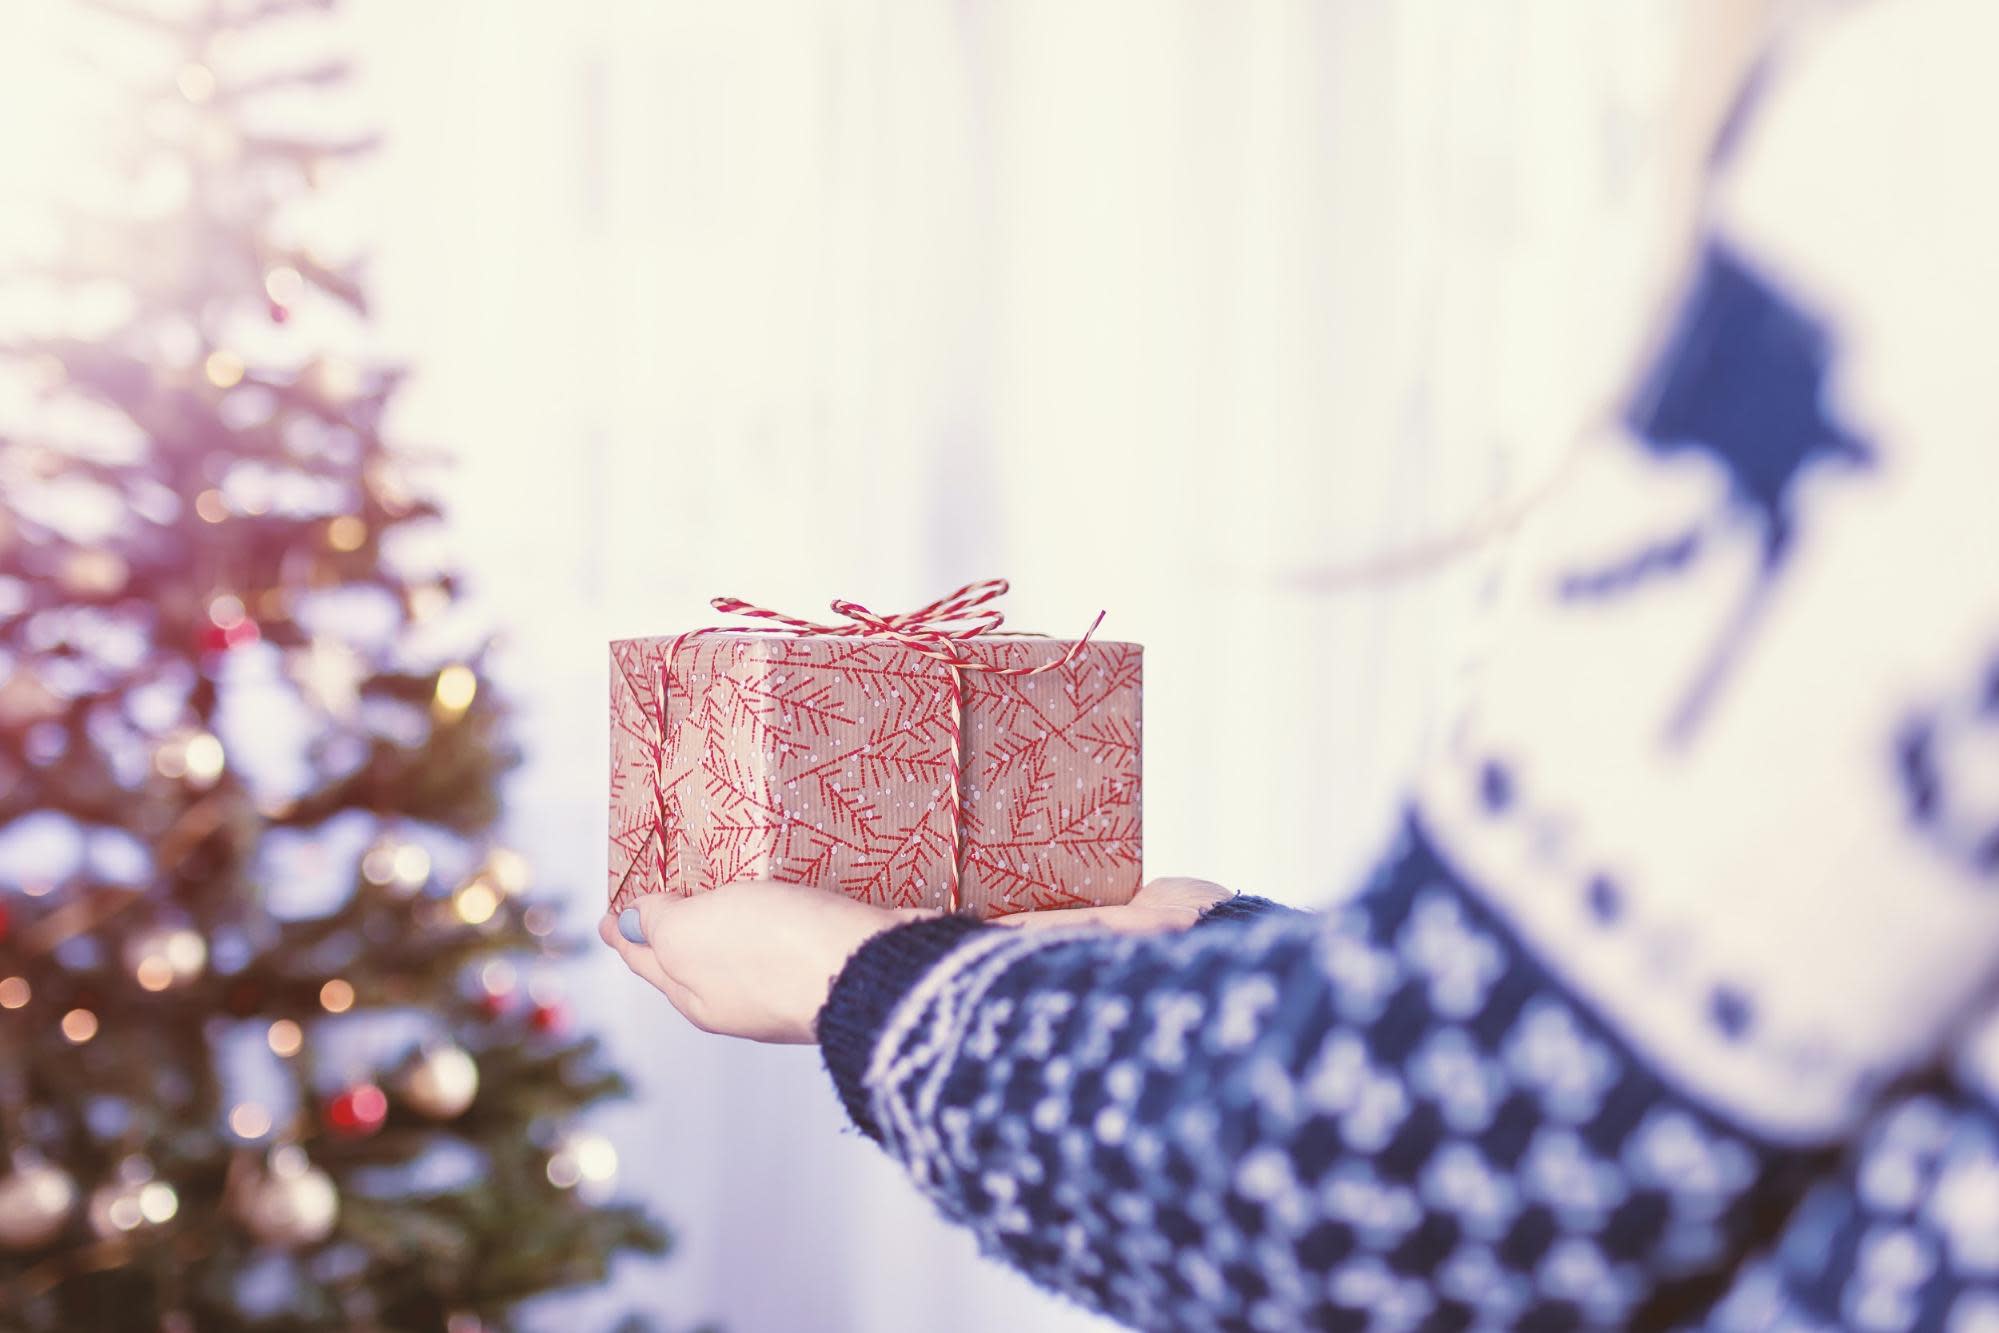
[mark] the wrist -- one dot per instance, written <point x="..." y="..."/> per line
<point x="847" y="927"/>
<point x="865" y="991"/>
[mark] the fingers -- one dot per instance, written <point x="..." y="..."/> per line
<point x="1162" y="905"/>
<point x="1126" y="920"/>
<point x="1197" y="895"/>
<point x="1055" y="919"/>
<point x="638" y="957"/>
<point x="653" y="910"/>
<point x="641" y="959"/>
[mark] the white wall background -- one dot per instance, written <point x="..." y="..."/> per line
<point x="1148" y="306"/>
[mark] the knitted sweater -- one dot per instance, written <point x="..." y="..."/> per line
<point x="1670" y="1005"/>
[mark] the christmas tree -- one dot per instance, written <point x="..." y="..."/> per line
<point x="278" y="1048"/>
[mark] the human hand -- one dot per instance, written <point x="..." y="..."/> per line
<point x="751" y="959"/>
<point x="1164" y="904"/>
<point x="756" y="958"/>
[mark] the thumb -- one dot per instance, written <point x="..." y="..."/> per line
<point x="1192" y="895"/>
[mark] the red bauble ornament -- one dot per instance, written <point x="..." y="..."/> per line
<point x="357" y="1112"/>
<point x="215" y="639"/>
<point x="6" y="920"/>
<point x="493" y="1005"/>
<point x="548" y="1018"/>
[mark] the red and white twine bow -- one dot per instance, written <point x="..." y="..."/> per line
<point x="938" y="631"/>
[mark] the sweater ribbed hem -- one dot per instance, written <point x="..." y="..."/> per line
<point x="1244" y="907"/>
<point x="865" y="992"/>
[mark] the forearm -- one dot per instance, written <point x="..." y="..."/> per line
<point x="1391" y="1107"/>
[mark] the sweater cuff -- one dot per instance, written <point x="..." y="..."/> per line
<point x="1245" y="907"/>
<point x="867" y="990"/>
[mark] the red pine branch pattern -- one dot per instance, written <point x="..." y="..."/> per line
<point x="827" y="761"/>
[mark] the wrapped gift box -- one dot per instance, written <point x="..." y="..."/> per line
<point x="826" y="760"/>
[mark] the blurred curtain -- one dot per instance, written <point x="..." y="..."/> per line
<point x="1147" y="306"/>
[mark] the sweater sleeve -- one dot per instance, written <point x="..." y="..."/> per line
<point x="1297" y="1120"/>
<point x="1245" y="907"/>
<point x="1904" y="1235"/>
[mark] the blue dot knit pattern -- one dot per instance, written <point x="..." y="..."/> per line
<point x="1384" y="1117"/>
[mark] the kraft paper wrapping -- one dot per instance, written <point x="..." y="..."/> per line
<point x="826" y="761"/>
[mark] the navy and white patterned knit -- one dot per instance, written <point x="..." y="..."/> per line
<point x="1388" y="1117"/>
<point x="1673" y="1004"/>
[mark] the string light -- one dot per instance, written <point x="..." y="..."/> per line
<point x="497" y="977"/>
<point x="79" y="1026"/>
<point x="337" y="379"/>
<point x="95" y="571"/>
<point x="157" y="1202"/>
<point x="336" y="996"/>
<point x="476" y="903"/>
<point x="284" y="285"/>
<point x="378" y="863"/>
<point x="195" y="756"/>
<point x="346" y="533"/>
<point x="15" y="992"/>
<point x="223" y="369"/>
<point x="596" y="1156"/>
<point x="285" y="1037"/>
<point x="390" y="486"/>
<point x="583" y="1158"/>
<point x="509" y="870"/>
<point x="196" y="83"/>
<point x="203" y="758"/>
<point x="187" y="952"/>
<point x="210" y="506"/>
<point x="393" y="862"/>
<point x="123" y="1214"/>
<point x="457" y="686"/>
<point x="411" y="866"/>
<point x="171" y="759"/>
<point x="248" y="1120"/>
<point x="165" y="956"/>
<point x="132" y="1201"/>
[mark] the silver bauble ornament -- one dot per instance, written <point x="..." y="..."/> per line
<point x="35" y="1201"/>
<point x="292" y="1202"/>
<point x="441" y="1082"/>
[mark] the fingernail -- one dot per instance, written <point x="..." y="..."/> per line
<point x="630" y="927"/>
